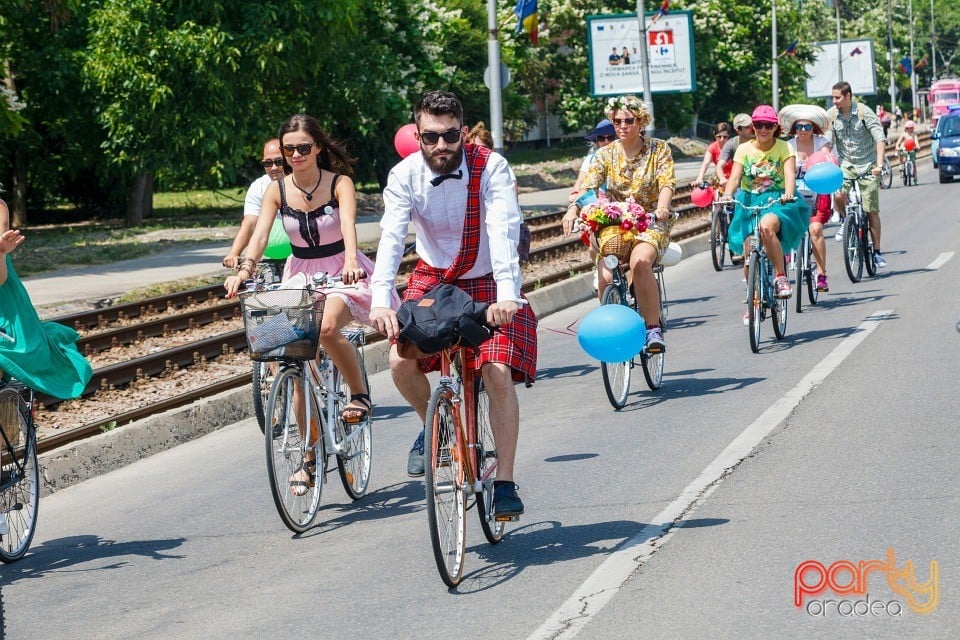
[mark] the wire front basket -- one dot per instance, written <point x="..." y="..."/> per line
<point x="282" y="324"/>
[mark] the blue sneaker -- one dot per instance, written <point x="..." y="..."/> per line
<point x="878" y="260"/>
<point x="415" y="466"/>
<point x="506" y="502"/>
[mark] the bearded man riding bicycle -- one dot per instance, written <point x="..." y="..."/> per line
<point x="461" y="200"/>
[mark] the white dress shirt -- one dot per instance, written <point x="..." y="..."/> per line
<point x="438" y="213"/>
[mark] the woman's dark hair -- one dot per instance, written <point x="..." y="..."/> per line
<point x="332" y="155"/>
<point x="439" y="103"/>
<point x="720" y="127"/>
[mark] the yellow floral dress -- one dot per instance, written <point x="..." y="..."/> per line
<point x="642" y="177"/>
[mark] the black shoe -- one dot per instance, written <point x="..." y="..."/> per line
<point x="415" y="467"/>
<point x="506" y="502"/>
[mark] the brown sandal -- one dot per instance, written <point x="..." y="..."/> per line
<point x="357" y="414"/>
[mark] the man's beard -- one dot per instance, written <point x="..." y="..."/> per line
<point x="446" y="164"/>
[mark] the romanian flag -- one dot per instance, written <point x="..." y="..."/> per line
<point x="527" y="19"/>
<point x="905" y="65"/>
<point x="791" y="49"/>
<point x="662" y="11"/>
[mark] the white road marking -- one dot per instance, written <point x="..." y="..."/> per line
<point x="601" y="586"/>
<point x="941" y="260"/>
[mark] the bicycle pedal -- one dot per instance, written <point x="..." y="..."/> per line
<point x="507" y="518"/>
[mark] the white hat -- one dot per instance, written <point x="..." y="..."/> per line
<point x="812" y="113"/>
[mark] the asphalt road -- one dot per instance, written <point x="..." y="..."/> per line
<point x="835" y="444"/>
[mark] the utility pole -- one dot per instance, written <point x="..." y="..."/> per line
<point x="933" y="43"/>
<point x="893" y="86"/>
<point x="776" y="65"/>
<point x="493" y="60"/>
<point x="836" y="6"/>
<point x="645" y="63"/>
<point x="913" y="66"/>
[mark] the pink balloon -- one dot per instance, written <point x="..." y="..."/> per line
<point x="702" y="197"/>
<point x="818" y="157"/>
<point x="405" y="141"/>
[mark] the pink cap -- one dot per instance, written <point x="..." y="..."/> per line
<point x="909" y="124"/>
<point x="765" y="113"/>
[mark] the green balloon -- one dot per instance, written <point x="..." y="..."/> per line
<point x="278" y="244"/>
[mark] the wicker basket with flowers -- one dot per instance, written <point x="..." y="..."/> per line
<point x="615" y="225"/>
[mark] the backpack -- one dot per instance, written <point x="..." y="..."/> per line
<point x="444" y="317"/>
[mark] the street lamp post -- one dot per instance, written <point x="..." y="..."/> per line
<point x="933" y="43"/>
<point x="836" y="6"/>
<point x="644" y="62"/>
<point x="893" y="86"/>
<point x="776" y="66"/>
<point x="493" y="60"/>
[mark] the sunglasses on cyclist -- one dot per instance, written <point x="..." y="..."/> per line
<point x="762" y="126"/>
<point x="273" y="162"/>
<point x="804" y="127"/>
<point x="432" y="137"/>
<point x="606" y="138"/>
<point x="302" y="149"/>
<point x="627" y="121"/>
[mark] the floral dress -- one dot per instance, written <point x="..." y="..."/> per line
<point x="641" y="177"/>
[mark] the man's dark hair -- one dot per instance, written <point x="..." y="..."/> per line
<point x="843" y="87"/>
<point x="439" y="103"/>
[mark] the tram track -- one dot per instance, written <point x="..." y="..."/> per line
<point x="110" y="327"/>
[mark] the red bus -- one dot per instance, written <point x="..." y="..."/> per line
<point x="943" y="93"/>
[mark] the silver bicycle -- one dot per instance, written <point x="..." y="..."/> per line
<point x="303" y="423"/>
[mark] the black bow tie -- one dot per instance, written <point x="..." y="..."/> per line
<point x="436" y="181"/>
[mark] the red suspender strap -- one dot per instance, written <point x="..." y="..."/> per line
<point x="477" y="157"/>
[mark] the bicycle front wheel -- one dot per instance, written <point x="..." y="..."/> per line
<point x="852" y="248"/>
<point x="616" y="375"/>
<point x="886" y="175"/>
<point x="718" y="238"/>
<point x="286" y="446"/>
<point x="443" y="477"/>
<point x="754" y="300"/>
<point x="20" y="479"/>
<point x="652" y="363"/>
<point x="486" y="462"/>
<point x="778" y="315"/>
<point x="354" y="463"/>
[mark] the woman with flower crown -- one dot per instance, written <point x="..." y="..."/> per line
<point x="636" y="171"/>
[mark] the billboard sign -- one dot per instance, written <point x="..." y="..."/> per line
<point x="858" y="68"/>
<point x="613" y="51"/>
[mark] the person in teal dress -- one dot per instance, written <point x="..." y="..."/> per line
<point x="764" y="169"/>
<point x="41" y="355"/>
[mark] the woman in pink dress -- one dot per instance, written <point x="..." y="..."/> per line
<point x="317" y="204"/>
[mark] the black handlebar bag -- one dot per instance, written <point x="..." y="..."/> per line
<point x="444" y="317"/>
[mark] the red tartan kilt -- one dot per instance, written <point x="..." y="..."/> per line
<point x="514" y="344"/>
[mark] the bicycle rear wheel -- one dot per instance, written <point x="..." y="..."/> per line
<point x="354" y="463"/>
<point x="799" y="272"/>
<point x="486" y="461"/>
<point x="852" y="249"/>
<point x="754" y="300"/>
<point x="718" y="238"/>
<point x="811" y="272"/>
<point x="652" y="364"/>
<point x="616" y="375"/>
<point x="262" y="380"/>
<point x="446" y="500"/>
<point x="285" y="448"/>
<point x="19" y="478"/>
<point x="866" y="245"/>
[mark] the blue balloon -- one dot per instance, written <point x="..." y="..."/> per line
<point x="612" y="333"/>
<point x="823" y="178"/>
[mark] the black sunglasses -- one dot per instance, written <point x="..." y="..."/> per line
<point x="606" y="138"/>
<point x="764" y="125"/>
<point x="432" y="137"/>
<point x="302" y="149"/>
<point x="627" y="121"/>
<point x="804" y="127"/>
<point x="274" y="162"/>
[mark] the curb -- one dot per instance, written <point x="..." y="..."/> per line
<point x="80" y="461"/>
